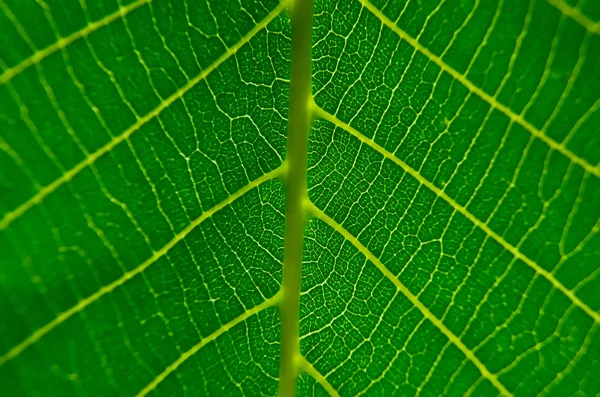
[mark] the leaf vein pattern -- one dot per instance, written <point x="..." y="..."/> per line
<point x="64" y="316"/>
<point x="513" y="250"/>
<point x="70" y="174"/>
<point x="40" y="55"/>
<point x="274" y="300"/>
<point x="415" y="301"/>
<point x="595" y="170"/>
<point x="476" y="215"/>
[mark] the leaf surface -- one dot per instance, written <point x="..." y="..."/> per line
<point x="453" y="178"/>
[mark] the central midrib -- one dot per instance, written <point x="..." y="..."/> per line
<point x="299" y="121"/>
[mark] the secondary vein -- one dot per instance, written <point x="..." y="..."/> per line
<point x="70" y="174"/>
<point x="242" y="317"/>
<point x="319" y="377"/>
<point x="492" y="101"/>
<point x="414" y="300"/>
<point x="81" y="305"/>
<point x="63" y="42"/>
<point x="576" y="15"/>
<point x="483" y="226"/>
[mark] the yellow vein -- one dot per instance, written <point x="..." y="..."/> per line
<point x="312" y="371"/>
<point x="415" y="301"/>
<point x="67" y="176"/>
<point x="576" y="15"/>
<point x="266" y="304"/>
<point x="485" y="96"/>
<point x="39" y="55"/>
<point x="513" y="250"/>
<point x="81" y="305"/>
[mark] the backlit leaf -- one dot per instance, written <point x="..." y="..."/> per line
<point x="452" y="246"/>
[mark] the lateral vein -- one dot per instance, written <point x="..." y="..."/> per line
<point x="484" y="95"/>
<point x="81" y="305"/>
<point x="512" y="249"/>
<point x="63" y="42"/>
<point x="312" y="371"/>
<point x="415" y="301"/>
<point x="576" y="15"/>
<point x="266" y="304"/>
<point x="67" y="176"/>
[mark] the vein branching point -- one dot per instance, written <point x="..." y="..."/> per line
<point x="296" y="191"/>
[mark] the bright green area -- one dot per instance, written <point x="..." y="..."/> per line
<point x="132" y="198"/>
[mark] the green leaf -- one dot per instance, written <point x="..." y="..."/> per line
<point x="451" y="245"/>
